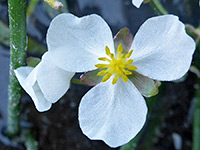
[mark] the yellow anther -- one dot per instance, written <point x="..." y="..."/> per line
<point x="124" y="78"/>
<point x="107" y="51"/>
<point x="101" y="66"/>
<point x="118" y="65"/>
<point x="120" y="48"/>
<point x="102" y="73"/>
<point x="112" y="56"/>
<point x="129" y="54"/>
<point x="106" y="77"/>
<point x="132" y="67"/>
<point x="102" y="58"/>
<point x="115" y="79"/>
<point x="129" y="61"/>
<point x="127" y="72"/>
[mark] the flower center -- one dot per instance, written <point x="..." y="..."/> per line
<point x="119" y="65"/>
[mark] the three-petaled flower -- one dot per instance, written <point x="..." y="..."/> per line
<point x="114" y="110"/>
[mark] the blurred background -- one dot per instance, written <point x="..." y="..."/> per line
<point x="169" y="124"/>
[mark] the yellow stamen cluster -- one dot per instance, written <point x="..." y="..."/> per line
<point x="119" y="65"/>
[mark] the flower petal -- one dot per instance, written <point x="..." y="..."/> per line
<point x="52" y="80"/>
<point x="162" y="49"/>
<point x="112" y="113"/>
<point x="27" y="79"/>
<point x="137" y="3"/>
<point x="77" y="43"/>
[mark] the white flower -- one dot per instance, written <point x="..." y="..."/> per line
<point x="46" y="83"/>
<point x="137" y="3"/>
<point x="116" y="113"/>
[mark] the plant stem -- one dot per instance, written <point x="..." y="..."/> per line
<point x="196" y="121"/>
<point x="196" y="115"/>
<point x="30" y="142"/>
<point x="17" y="18"/>
<point x="157" y="7"/>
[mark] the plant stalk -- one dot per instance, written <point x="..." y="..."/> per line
<point x="18" y="40"/>
<point x="196" y="120"/>
<point x="158" y="7"/>
<point x="196" y="124"/>
<point x="30" y="142"/>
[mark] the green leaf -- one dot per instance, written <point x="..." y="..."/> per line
<point x="147" y="87"/>
<point x="90" y="78"/>
<point x="32" y="61"/>
<point x="125" y="37"/>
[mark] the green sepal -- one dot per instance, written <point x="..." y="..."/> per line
<point x="147" y="87"/>
<point x="32" y="61"/>
<point x="125" y="37"/>
<point x="90" y="78"/>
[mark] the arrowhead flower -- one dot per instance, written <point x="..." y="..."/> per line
<point x="46" y="83"/>
<point x="114" y="110"/>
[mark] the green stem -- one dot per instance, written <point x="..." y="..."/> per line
<point x="157" y="7"/>
<point x="196" y="121"/>
<point x="196" y="115"/>
<point x="30" y="142"/>
<point x="17" y="18"/>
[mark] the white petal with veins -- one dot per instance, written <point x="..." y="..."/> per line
<point x="27" y="79"/>
<point x="52" y="80"/>
<point x="75" y="44"/>
<point x="112" y="113"/>
<point x="162" y="49"/>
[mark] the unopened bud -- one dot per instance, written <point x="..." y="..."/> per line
<point x="54" y="3"/>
